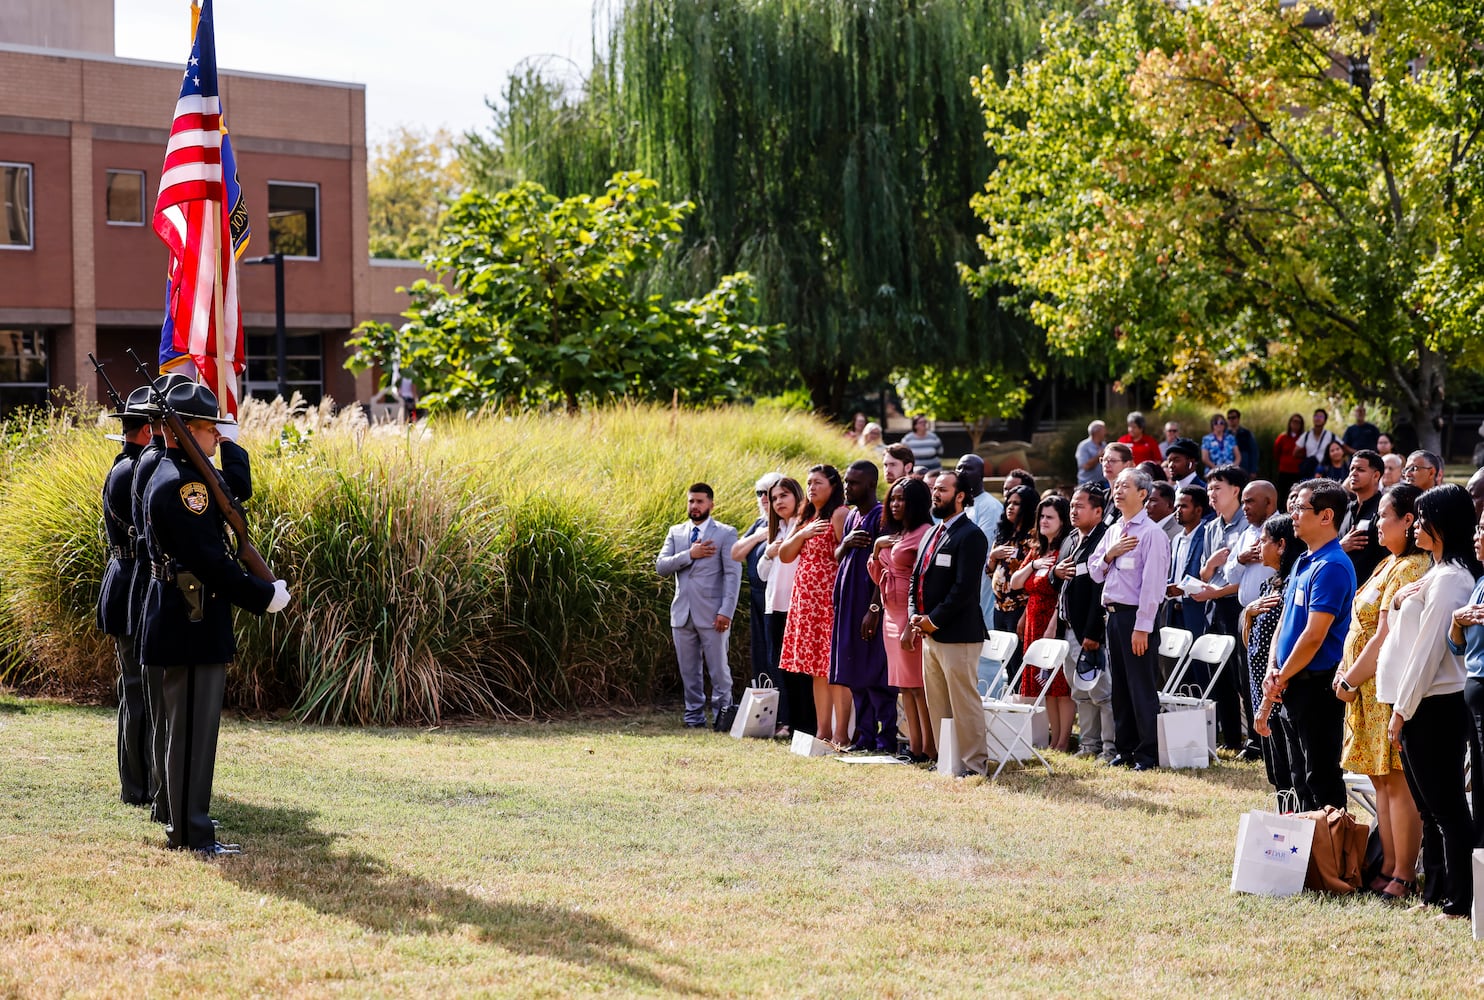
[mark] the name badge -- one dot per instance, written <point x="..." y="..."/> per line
<point x="1125" y="562"/>
<point x="943" y="559"/>
<point x="1081" y="569"/>
<point x="1300" y="597"/>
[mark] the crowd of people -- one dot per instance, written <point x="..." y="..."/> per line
<point x="1352" y="586"/>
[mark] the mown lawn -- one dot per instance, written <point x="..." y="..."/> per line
<point x="626" y="856"/>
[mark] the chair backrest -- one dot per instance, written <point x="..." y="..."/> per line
<point x="1000" y="646"/>
<point x="1046" y="654"/>
<point x="1214" y="650"/>
<point x="1174" y="642"/>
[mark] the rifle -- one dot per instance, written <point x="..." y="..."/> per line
<point x="231" y="510"/>
<point x="113" y="394"/>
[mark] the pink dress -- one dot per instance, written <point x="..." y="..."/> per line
<point x="811" y="609"/>
<point x="893" y="574"/>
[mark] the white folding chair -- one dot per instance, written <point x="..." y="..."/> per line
<point x="1211" y="649"/>
<point x="1174" y="644"/>
<point x="1362" y="791"/>
<point x="997" y="651"/>
<point x="1008" y="724"/>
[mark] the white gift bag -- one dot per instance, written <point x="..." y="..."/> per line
<point x="949" y="761"/>
<point x="805" y="745"/>
<point x="1272" y="855"/>
<point x="1002" y="732"/>
<point x="758" y="714"/>
<point x="1479" y="895"/>
<point x="1182" y="738"/>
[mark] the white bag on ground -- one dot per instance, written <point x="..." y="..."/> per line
<point x="758" y="714"/>
<point x="1182" y="738"/>
<point x="1272" y="855"/>
<point x="805" y="745"/>
<point x="949" y="761"/>
<point x="1479" y="895"/>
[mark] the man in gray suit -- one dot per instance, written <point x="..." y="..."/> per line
<point x="707" y="581"/>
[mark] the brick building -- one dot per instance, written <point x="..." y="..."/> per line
<point x="82" y="138"/>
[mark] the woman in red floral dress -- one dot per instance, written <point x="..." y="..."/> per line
<point x="1035" y="577"/>
<point x="811" y="612"/>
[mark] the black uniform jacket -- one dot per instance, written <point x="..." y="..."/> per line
<point x="236" y="470"/>
<point x="185" y="529"/>
<point x="113" y="597"/>
<point x="945" y="582"/>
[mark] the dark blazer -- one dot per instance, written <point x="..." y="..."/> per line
<point x="949" y="594"/>
<point x="1082" y="596"/>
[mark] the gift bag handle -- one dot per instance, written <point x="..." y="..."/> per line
<point x="763" y="681"/>
<point x="1287" y="797"/>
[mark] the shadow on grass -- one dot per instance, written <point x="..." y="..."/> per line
<point x="292" y="859"/>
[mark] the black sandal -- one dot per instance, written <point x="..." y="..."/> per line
<point x="1410" y="887"/>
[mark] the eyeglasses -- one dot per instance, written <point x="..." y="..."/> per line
<point x="1294" y="508"/>
<point x="762" y="493"/>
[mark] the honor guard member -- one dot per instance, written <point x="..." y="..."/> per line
<point x="195" y="580"/>
<point x="144" y="467"/>
<point x="135" y="739"/>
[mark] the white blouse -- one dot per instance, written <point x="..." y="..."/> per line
<point x="780" y="575"/>
<point x="1415" y="661"/>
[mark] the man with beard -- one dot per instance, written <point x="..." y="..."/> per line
<point x="943" y="606"/>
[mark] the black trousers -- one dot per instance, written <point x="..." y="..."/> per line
<point x="776" y="621"/>
<point x="1433" y="741"/>
<point x="1313" y="722"/>
<point x="761" y="648"/>
<point x="1473" y="697"/>
<point x="193" y="712"/>
<point x="1232" y="693"/>
<point x="1135" y="691"/>
<point x="134" y="730"/>
<point x="154" y="691"/>
<point x="1274" y="748"/>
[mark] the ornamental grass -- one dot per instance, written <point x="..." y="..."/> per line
<point x="491" y="565"/>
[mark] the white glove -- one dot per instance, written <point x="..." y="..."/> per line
<point x="280" y="597"/>
<point x="229" y="431"/>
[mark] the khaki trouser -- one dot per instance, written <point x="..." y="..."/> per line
<point x="950" y="672"/>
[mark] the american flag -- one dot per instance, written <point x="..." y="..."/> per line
<point x="194" y="214"/>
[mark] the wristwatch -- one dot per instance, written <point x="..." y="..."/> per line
<point x="876" y="607"/>
<point x="1344" y="684"/>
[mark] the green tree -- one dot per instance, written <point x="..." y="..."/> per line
<point x="1290" y="189"/>
<point x="540" y="307"/>
<point x="973" y="396"/>
<point x="411" y="178"/>
<point x="831" y="147"/>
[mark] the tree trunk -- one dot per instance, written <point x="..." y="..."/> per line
<point x="1035" y="409"/>
<point x="1424" y="400"/>
<point x="826" y="388"/>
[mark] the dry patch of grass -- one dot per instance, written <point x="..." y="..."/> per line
<point x="627" y="856"/>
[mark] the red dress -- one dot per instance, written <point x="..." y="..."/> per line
<point x="811" y="609"/>
<point x="1040" y="608"/>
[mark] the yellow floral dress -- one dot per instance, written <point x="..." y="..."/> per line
<point x="1367" y="750"/>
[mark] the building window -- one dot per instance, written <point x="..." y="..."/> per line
<point x="125" y="197"/>
<point x="25" y="379"/>
<point x="15" y="206"/>
<point x="305" y="368"/>
<point x="293" y="219"/>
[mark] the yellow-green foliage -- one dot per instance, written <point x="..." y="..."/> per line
<point x="472" y="565"/>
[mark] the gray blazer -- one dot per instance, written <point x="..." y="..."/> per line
<point x="704" y="588"/>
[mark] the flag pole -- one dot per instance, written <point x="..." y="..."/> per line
<point x="218" y="319"/>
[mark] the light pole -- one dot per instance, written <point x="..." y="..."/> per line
<point x="280" y="335"/>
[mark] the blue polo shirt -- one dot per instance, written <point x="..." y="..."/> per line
<point x="1322" y="581"/>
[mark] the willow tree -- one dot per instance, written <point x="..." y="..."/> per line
<point x="831" y="148"/>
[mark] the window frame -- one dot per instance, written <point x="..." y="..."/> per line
<point x="30" y="205"/>
<point x="143" y="213"/>
<point x="250" y="385"/>
<point x="42" y="345"/>
<point x="317" y="227"/>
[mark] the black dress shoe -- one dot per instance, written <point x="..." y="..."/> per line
<point x="1250" y="753"/>
<point x="218" y="850"/>
<point x="1119" y="760"/>
<point x="1139" y="765"/>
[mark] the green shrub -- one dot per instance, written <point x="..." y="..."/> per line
<point x="499" y="564"/>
